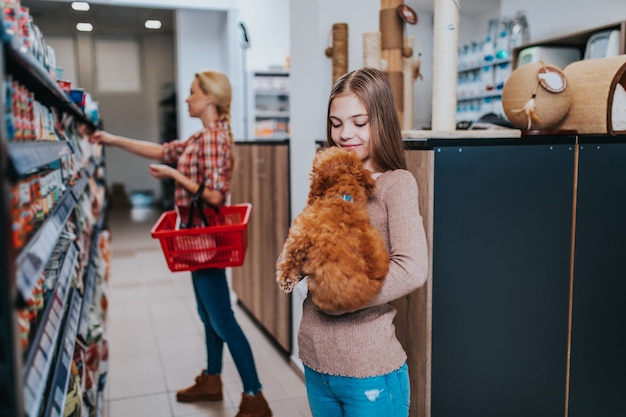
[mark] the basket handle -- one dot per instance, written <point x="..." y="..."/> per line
<point x="197" y="203"/>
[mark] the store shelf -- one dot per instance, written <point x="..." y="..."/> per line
<point x="81" y="184"/>
<point x="38" y="365"/>
<point x="271" y="114"/>
<point x="34" y="383"/>
<point x="26" y="157"/>
<point x="32" y="259"/>
<point x="484" y="64"/>
<point x="90" y="283"/>
<point x="55" y="405"/>
<point x="271" y="92"/>
<point x="24" y="67"/>
<point x="270" y="101"/>
<point x="495" y="93"/>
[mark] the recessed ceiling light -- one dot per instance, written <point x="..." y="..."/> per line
<point x="81" y="6"/>
<point x="153" y="24"/>
<point x="84" y="27"/>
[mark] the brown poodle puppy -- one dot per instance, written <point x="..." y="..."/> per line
<point x="332" y="241"/>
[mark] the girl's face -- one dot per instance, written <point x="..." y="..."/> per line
<point x="350" y="126"/>
<point x="198" y="101"/>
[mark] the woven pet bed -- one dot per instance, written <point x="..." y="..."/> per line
<point x="549" y="107"/>
<point x="593" y="83"/>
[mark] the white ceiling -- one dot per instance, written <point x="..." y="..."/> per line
<point x="57" y="17"/>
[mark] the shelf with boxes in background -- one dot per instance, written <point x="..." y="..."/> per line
<point x="270" y="90"/>
<point x="54" y="270"/>
<point x="485" y="65"/>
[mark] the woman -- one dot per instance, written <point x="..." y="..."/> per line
<point x="206" y="158"/>
<point x="354" y="365"/>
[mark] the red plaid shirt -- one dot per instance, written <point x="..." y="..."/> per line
<point x="204" y="157"/>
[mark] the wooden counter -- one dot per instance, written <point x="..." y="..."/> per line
<point x="262" y="178"/>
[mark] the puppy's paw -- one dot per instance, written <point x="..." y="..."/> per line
<point x="287" y="281"/>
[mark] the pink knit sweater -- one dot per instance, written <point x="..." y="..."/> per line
<point x="363" y="343"/>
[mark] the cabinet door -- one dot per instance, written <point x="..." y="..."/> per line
<point x="598" y="354"/>
<point x="501" y="272"/>
<point x="262" y="179"/>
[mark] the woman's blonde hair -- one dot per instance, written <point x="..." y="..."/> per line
<point x="217" y="85"/>
<point x="372" y="88"/>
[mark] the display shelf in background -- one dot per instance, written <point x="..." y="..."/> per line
<point x="270" y="90"/>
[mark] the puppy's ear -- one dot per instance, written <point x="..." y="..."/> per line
<point x="366" y="181"/>
<point x="362" y="175"/>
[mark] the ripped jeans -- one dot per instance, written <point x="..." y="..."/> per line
<point x="341" y="396"/>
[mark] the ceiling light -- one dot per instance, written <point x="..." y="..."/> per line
<point x="81" y="6"/>
<point x="84" y="27"/>
<point x="153" y="24"/>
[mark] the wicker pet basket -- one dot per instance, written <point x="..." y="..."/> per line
<point x="593" y="84"/>
<point x="550" y="108"/>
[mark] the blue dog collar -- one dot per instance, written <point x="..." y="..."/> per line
<point x="346" y="197"/>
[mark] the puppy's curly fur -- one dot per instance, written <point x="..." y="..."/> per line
<point x="332" y="241"/>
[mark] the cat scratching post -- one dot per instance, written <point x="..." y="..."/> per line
<point x="338" y="52"/>
<point x="371" y="50"/>
<point x="392" y="43"/>
<point x="446" y="39"/>
<point x="408" y="70"/>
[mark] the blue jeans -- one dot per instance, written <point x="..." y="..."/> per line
<point x="220" y="326"/>
<point x="341" y="396"/>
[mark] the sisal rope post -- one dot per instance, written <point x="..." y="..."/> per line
<point x="338" y="52"/>
<point x="408" y="69"/>
<point x="371" y="50"/>
<point x="392" y="43"/>
<point x="445" y="43"/>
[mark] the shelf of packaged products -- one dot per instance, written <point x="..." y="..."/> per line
<point x="18" y="161"/>
<point x="57" y="393"/>
<point x="478" y="67"/>
<point x="81" y="184"/>
<point x="25" y="68"/>
<point x="270" y="98"/>
<point x="272" y="114"/>
<point x="90" y="283"/>
<point x="496" y="93"/>
<point x="32" y="259"/>
<point x="28" y="156"/>
<point x="39" y="363"/>
<point x="274" y="92"/>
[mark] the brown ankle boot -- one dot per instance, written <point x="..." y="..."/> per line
<point x="206" y="388"/>
<point x="254" y="406"/>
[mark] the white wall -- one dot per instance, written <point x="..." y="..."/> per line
<point x="267" y="23"/>
<point x="201" y="43"/>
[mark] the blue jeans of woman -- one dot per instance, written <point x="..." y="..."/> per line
<point x="220" y="326"/>
<point x="341" y="396"/>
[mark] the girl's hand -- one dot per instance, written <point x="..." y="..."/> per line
<point x="162" y="171"/>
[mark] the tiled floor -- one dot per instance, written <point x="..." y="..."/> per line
<point x="156" y="338"/>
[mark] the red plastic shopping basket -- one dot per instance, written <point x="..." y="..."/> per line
<point x="221" y="244"/>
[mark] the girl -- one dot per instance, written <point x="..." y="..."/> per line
<point x="354" y="365"/>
